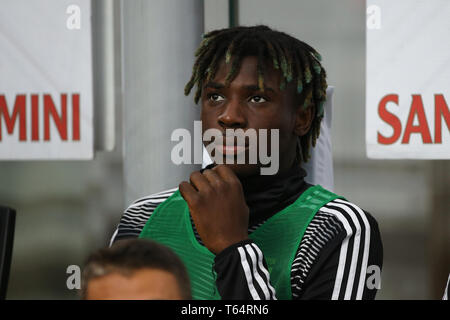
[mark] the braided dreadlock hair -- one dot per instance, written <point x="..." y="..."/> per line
<point x="297" y="62"/>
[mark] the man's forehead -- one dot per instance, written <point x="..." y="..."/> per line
<point x="247" y="73"/>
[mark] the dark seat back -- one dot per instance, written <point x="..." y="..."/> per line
<point x="7" y="225"/>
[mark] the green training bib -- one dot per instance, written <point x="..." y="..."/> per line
<point x="278" y="238"/>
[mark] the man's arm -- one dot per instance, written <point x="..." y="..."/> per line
<point x="136" y="215"/>
<point x="242" y="273"/>
<point x="347" y="264"/>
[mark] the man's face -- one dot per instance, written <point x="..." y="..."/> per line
<point x="143" y="284"/>
<point x="241" y="105"/>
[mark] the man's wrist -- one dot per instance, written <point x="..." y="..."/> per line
<point x="231" y="248"/>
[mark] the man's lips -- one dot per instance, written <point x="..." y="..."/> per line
<point x="231" y="150"/>
<point x="230" y="147"/>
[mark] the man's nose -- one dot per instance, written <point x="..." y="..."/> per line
<point x="232" y="115"/>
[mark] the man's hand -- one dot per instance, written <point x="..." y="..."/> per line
<point x="217" y="205"/>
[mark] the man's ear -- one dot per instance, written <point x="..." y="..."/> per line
<point x="303" y="119"/>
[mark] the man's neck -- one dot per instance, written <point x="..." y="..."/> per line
<point x="267" y="195"/>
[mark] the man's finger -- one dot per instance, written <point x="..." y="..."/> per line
<point x="188" y="192"/>
<point x="226" y="173"/>
<point x="199" y="181"/>
<point x="214" y="179"/>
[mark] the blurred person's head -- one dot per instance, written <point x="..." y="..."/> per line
<point x="135" y="270"/>
<point x="259" y="78"/>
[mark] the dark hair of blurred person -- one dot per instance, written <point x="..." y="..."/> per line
<point x="135" y="269"/>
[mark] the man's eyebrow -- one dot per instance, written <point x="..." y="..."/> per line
<point x="250" y="87"/>
<point x="214" y="85"/>
<point x="254" y="87"/>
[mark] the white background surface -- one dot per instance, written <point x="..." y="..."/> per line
<point x="408" y="54"/>
<point x="40" y="55"/>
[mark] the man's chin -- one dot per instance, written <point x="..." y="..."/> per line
<point x="243" y="171"/>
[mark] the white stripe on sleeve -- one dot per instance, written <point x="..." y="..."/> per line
<point x="257" y="276"/>
<point x="342" y="254"/>
<point x="113" y="237"/>
<point x="355" y="253"/>
<point x="248" y="275"/>
<point x="362" y="277"/>
<point x="264" y="270"/>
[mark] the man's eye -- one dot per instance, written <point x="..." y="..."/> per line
<point x="216" y="97"/>
<point x="257" y="99"/>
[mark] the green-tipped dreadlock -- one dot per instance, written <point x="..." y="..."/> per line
<point x="297" y="62"/>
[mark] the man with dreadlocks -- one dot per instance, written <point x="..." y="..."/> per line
<point x="243" y="235"/>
